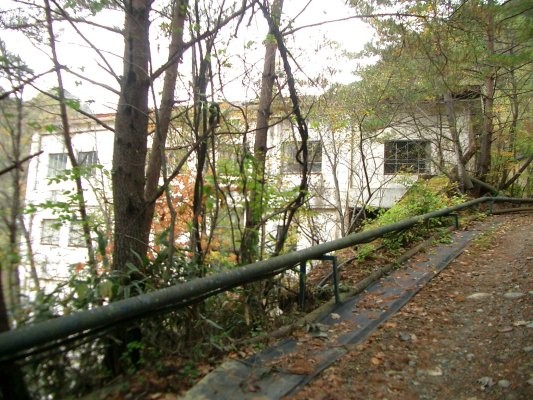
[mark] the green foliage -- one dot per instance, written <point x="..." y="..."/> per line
<point x="365" y="251"/>
<point x="484" y="240"/>
<point x="93" y="6"/>
<point x="269" y="40"/>
<point x="66" y="209"/>
<point x="421" y="198"/>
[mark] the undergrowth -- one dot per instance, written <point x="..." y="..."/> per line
<point x="422" y="197"/>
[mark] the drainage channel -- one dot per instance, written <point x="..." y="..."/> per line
<point x="258" y="377"/>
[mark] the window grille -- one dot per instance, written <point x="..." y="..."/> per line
<point x="50" y="232"/>
<point x="87" y="158"/>
<point x="407" y="156"/>
<point x="57" y="163"/>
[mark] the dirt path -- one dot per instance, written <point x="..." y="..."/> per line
<point x="467" y="335"/>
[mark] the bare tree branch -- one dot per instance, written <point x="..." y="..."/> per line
<point x="19" y="163"/>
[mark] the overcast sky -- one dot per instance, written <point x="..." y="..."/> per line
<point x="312" y="47"/>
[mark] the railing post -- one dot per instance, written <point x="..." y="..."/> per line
<point x="302" y="283"/>
<point x="455" y="217"/>
<point x="333" y="260"/>
<point x="335" y="280"/>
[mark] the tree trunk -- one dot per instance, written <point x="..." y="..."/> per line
<point x="129" y="158"/>
<point x="517" y="174"/>
<point x="254" y="206"/>
<point x="204" y="129"/>
<point x="510" y="144"/>
<point x="465" y="183"/>
<point x="484" y="157"/>
<point x="302" y="155"/>
<point x="129" y="152"/>
<point x="164" y="113"/>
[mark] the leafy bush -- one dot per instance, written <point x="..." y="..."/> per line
<point x="421" y="198"/>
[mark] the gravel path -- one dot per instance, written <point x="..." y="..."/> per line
<point x="467" y="335"/>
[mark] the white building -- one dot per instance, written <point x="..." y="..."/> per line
<point x="57" y="240"/>
<point x="345" y="175"/>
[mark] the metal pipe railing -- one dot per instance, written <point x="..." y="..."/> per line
<point x="63" y="328"/>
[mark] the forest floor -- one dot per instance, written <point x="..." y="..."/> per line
<point x="468" y="334"/>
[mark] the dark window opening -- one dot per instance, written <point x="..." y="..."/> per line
<point x="407" y="156"/>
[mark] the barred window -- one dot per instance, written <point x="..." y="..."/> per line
<point x="57" y="163"/>
<point x="407" y="156"/>
<point x="50" y="232"/>
<point x="289" y="163"/>
<point x="87" y="158"/>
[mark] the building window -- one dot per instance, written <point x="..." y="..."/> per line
<point x="87" y="161"/>
<point x="407" y="156"/>
<point x="87" y="158"/>
<point x="50" y="232"/>
<point x="57" y="163"/>
<point x="289" y="163"/>
<point x="75" y="235"/>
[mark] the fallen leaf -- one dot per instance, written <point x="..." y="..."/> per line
<point x="375" y="361"/>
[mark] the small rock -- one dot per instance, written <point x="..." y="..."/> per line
<point x="478" y="296"/>
<point x="504" y="383"/>
<point x="335" y="316"/>
<point x="528" y="349"/>
<point x="529" y="324"/>
<point x="318" y="330"/>
<point x="520" y="323"/>
<point x="485" y="382"/>
<point x="412" y="363"/>
<point x="514" y="295"/>
<point x="432" y="371"/>
<point x="530" y="381"/>
<point x="405" y="336"/>
<point x="505" y="329"/>
<point x="470" y="356"/>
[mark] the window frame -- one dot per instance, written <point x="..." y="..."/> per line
<point x="76" y="238"/>
<point x="50" y="232"/>
<point x="404" y="157"/>
<point x="87" y="158"/>
<point x="57" y="163"/>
